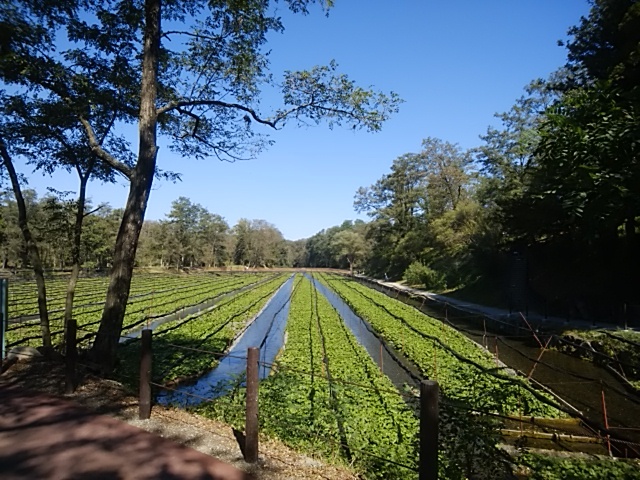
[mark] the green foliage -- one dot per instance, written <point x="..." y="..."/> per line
<point x="325" y="396"/>
<point x="408" y="202"/>
<point x="184" y="348"/>
<point x="465" y="371"/>
<point x="152" y="296"/>
<point x="419" y="274"/>
<point x="621" y="346"/>
<point x="539" y="467"/>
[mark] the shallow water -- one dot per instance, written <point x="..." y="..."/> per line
<point x="400" y="372"/>
<point x="579" y="382"/>
<point x="266" y="332"/>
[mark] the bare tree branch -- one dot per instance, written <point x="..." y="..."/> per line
<point x="217" y="103"/>
<point x="101" y="153"/>
<point x="99" y="207"/>
<point x="273" y="123"/>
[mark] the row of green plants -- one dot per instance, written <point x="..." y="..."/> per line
<point x="140" y="310"/>
<point x="327" y="397"/>
<point x="536" y="466"/>
<point x="23" y="299"/>
<point x="186" y="348"/>
<point x="25" y="293"/>
<point x="478" y="432"/>
<point x="465" y="371"/>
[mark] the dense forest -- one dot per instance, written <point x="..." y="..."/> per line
<point x="544" y="212"/>
<point x="189" y="237"/>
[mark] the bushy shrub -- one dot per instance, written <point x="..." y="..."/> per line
<point x="420" y="274"/>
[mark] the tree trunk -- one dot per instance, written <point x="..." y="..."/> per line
<point x="104" y="347"/>
<point x="75" y="250"/>
<point x="32" y="248"/>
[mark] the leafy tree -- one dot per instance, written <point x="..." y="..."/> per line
<point x="351" y="245"/>
<point x="197" y="81"/>
<point x="12" y="241"/>
<point x="404" y="204"/>
<point x="320" y="250"/>
<point x="258" y="244"/>
<point x="507" y="155"/>
<point x="580" y="206"/>
<point x="211" y="234"/>
<point x="297" y="253"/>
<point x="184" y="218"/>
<point x="604" y="45"/>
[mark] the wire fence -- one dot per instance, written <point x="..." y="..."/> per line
<point x="605" y="436"/>
<point x="524" y="427"/>
<point x="450" y="313"/>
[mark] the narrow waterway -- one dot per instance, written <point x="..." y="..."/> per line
<point x="391" y="363"/>
<point x="191" y="310"/>
<point x="265" y="331"/>
<point x="588" y="387"/>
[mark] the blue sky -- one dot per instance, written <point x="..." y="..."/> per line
<point x="454" y="63"/>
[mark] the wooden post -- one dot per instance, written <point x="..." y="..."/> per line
<point x="71" y="357"/>
<point x="251" y="419"/>
<point x="4" y="316"/>
<point x="428" y="430"/>
<point x="606" y="419"/>
<point x="484" y="335"/>
<point x="144" y="403"/>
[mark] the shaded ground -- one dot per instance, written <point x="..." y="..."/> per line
<point x="47" y="437"/>
<point x="108" y="397"/>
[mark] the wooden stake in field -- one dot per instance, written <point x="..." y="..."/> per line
<point x="144" y="402"/>
<point x="71" y="357"/>
<point x="251" y="419"/>
<point x="484" y="335"/>
<point x="429" y="413"/>
<point x="606" y="419"/>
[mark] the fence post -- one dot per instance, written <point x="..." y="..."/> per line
<point x="606" y="419"/>
<point x="428" y="430"/>
<point x="4" y="315"/>
<point x="251" y="419"/>
<point x="71" y="355"/>
<point x="144" y="402"/>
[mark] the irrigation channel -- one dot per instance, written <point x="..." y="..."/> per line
<point x="393" y="364"/>
<point x="576" y="381"/>
<point x="267" y="331"/>
<point x="191" y="310"/>
<point x="579" y="382"/>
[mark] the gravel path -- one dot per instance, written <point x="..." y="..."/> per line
<point x="208" y="436"/>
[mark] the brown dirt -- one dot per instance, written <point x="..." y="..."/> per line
<point x="214" y="438"/>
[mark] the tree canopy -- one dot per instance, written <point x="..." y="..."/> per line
<point x="192" y="71"/>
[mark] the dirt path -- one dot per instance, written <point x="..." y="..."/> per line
<point x="210" y="437"/>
